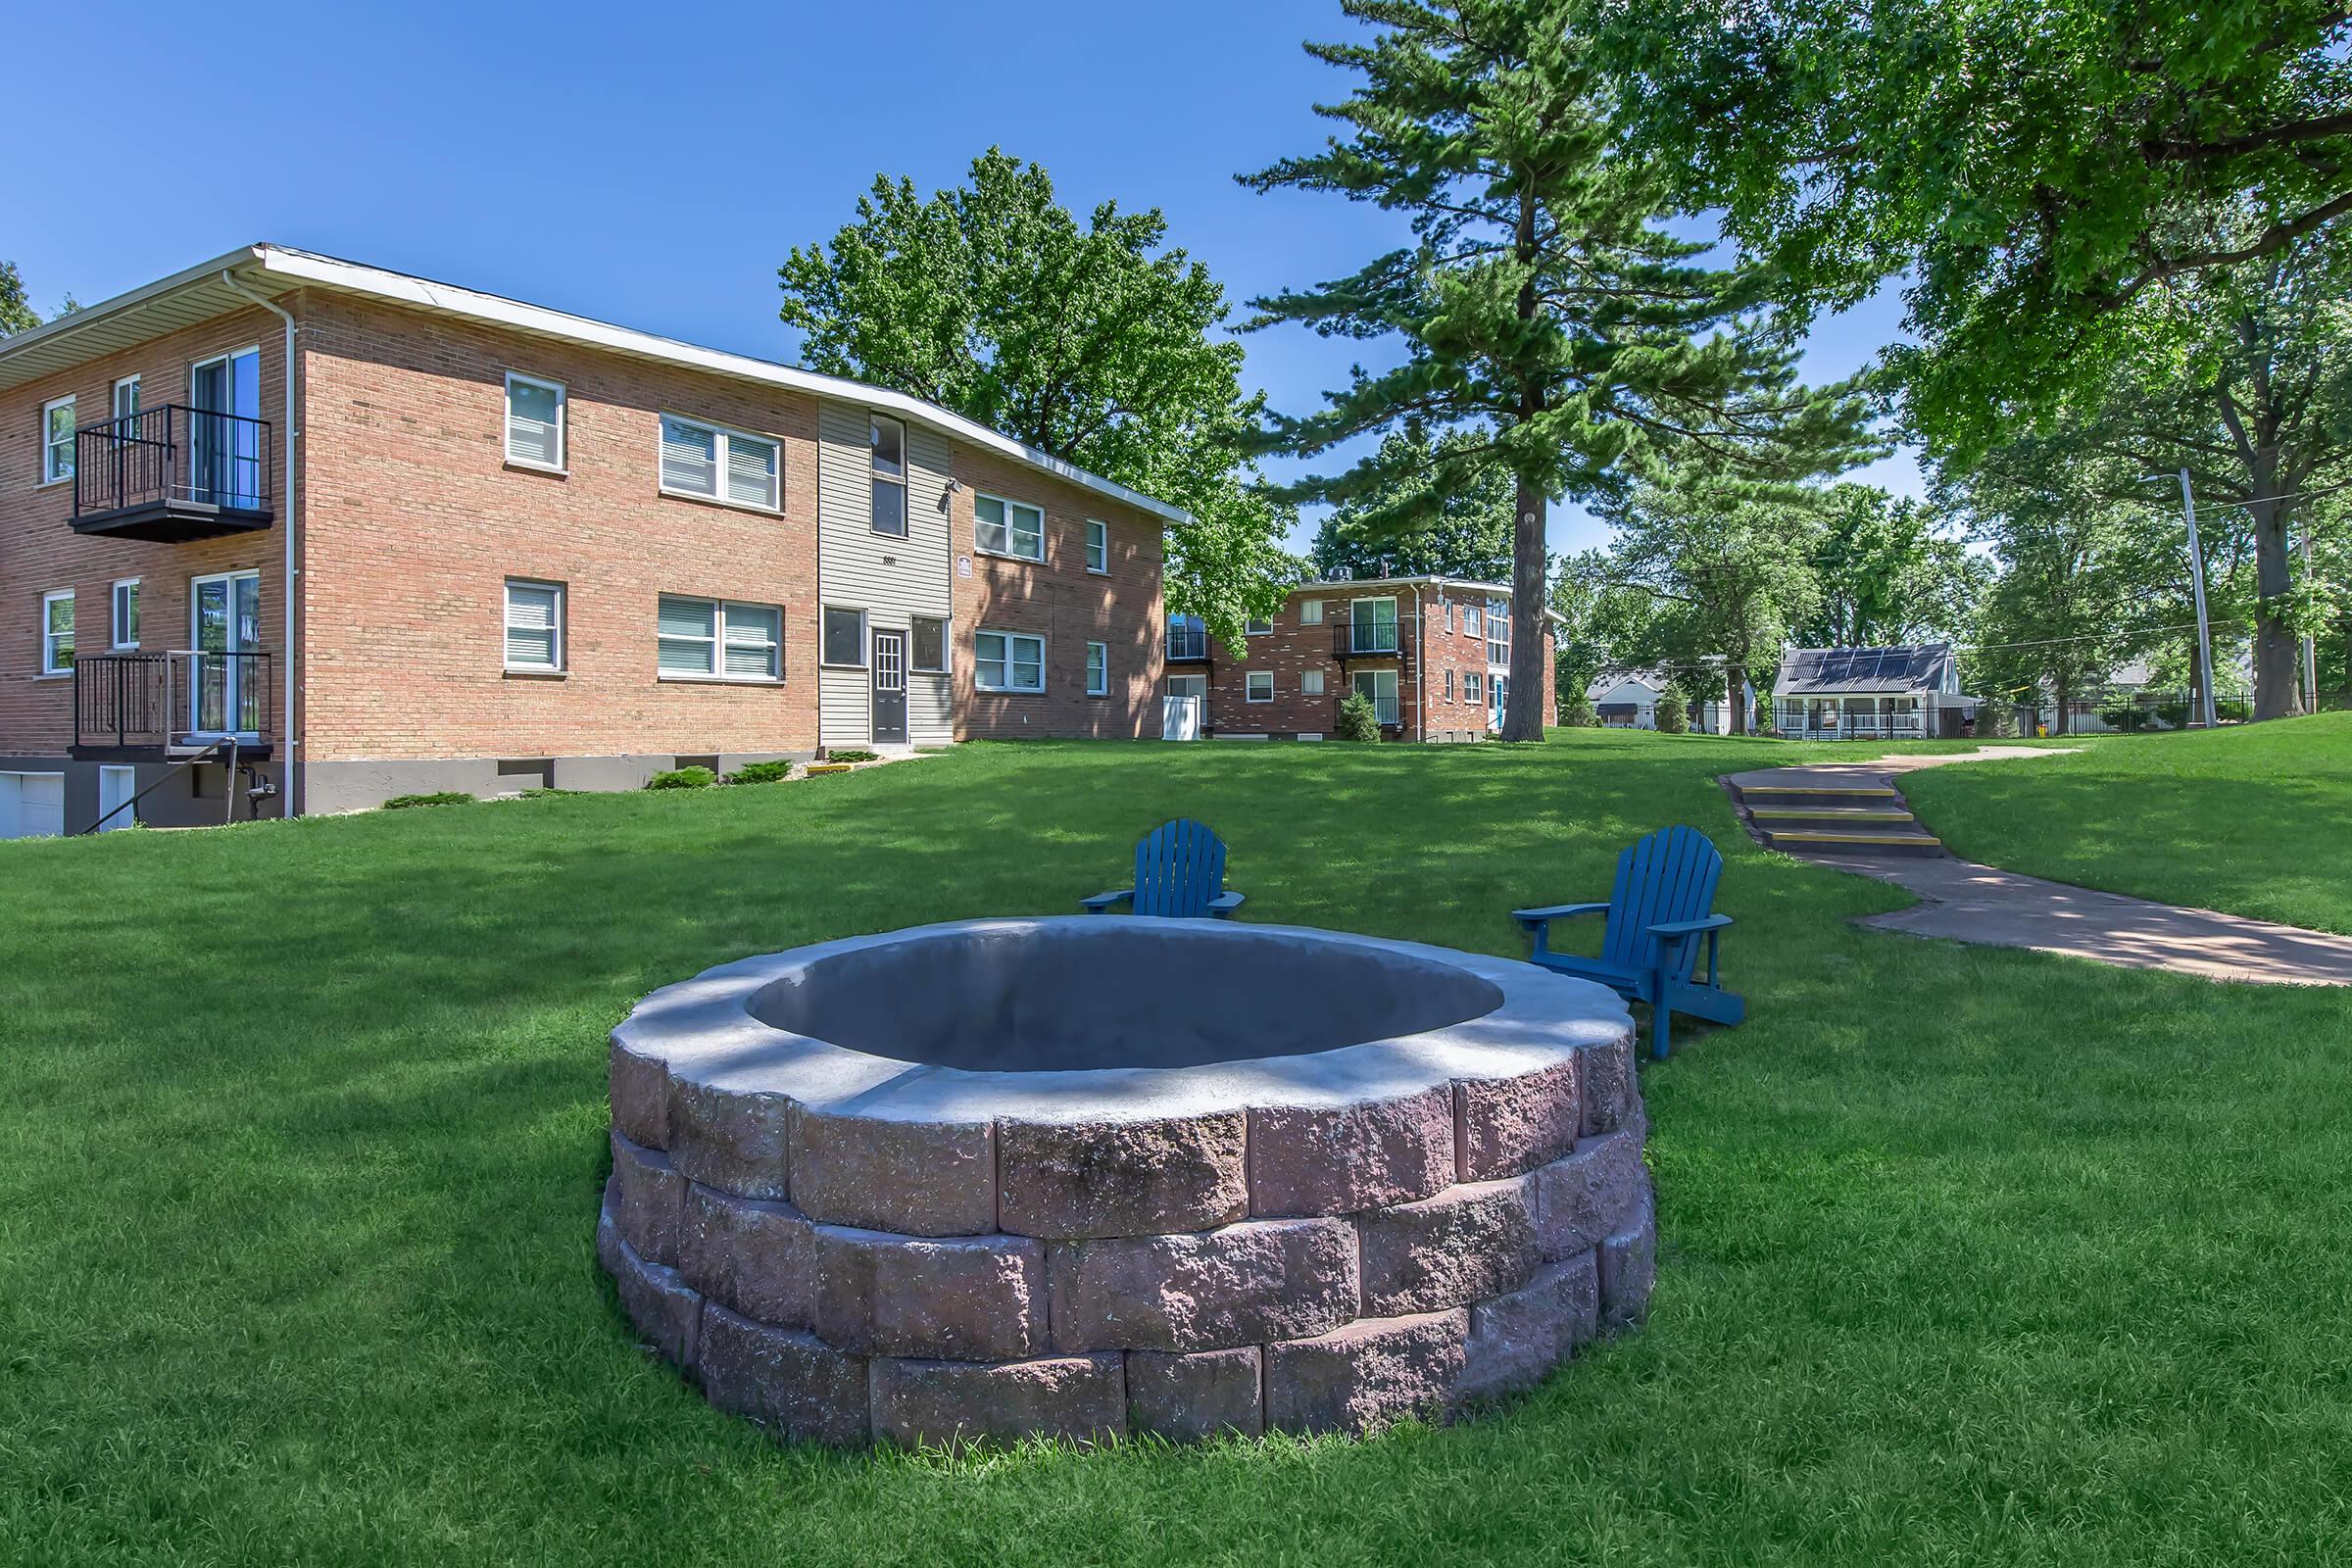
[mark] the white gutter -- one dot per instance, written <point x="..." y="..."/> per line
<point x="1420" y="672"/>
<point x="292" y="804"/>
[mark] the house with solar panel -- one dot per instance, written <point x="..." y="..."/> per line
<point x="1870" y="694"/>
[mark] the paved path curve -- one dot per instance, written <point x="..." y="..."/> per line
<point x="1971" y="903"/>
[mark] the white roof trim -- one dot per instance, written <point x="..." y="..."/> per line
<point x="288" y="268"/>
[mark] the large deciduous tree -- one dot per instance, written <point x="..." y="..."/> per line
<point x="1096" y="343"/>
<point x="1540" y="307"/>
<point x="2029" y="166"/>
<point x="1889" y="572"/>
<point x="1469" y="531"/>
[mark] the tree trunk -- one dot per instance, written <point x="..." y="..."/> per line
<point x="2278" y="651"/>
<point x="2065" y="713"/>
<point x="1735" y="704"/>
<point x="1523" y="716"/>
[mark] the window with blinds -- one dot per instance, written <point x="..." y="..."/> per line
<point x="534" y="422"/>
<point x="716" y="463"/>
<point x="718" y="639"/>
<point x="534" y="626"/>
<point x="1009" y="527"/>
<point x="1009" y="662"/>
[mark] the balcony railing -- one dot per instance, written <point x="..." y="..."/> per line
<point x="176" y="701"/>
<point x="1187" y="643"/>
<point x="171" y="473"/>
<point x="1367" y="639"/>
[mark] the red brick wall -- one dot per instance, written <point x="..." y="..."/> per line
<point x="1292" y="648"/>
<point x="40" y="551"/>
<point x="417" y="522"/>
<point x="1059" y="599"/>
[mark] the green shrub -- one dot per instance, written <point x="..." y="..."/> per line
<point x="1358" y="721"/>
<point x="683" y="778"/>
<point x="1576" y="711"/>
<point x="400" y="802"/>
<point x="851" y="753"/>
<point x="1672" y="712"/>
<point x="544" y="792"/>
<point x="761" y="773"/>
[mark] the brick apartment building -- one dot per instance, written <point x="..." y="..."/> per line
<point x="1432" y="653"/>
<point x="526" y="548"/>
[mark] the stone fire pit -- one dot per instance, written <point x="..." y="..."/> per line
<point x="1096" y="1175"/>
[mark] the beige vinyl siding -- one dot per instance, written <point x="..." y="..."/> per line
<point x="892" y="579"/>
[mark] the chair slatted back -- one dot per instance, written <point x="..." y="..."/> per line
<point x="1670" y="875"/>
<point x="1179" y="866"/>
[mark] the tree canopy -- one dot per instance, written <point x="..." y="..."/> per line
<point x="1542" y="309"/>
<point x="17" y="314"/>
<point x="1096" y="343"/>
<point x="1888" y="572"/>
<point x="2028" y="166"/>
<point x="1467" y="531"/>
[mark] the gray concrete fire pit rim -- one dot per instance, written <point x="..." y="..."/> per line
<point x="702" y="1031"/>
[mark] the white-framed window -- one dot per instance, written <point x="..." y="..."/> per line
<point x="534" y="624"/>
<point x="928" y="646"/>
<point x="1449" y="685"/>
<point x="1009" y="662"/>
<point x="57" y="440"/>
<point x="1254" y="627"/>
<point x="126" y="399"/>
<point x="1097" y="545"/>
<point x="1310" y="611"/>
<point x="1098" y="669"/>
<point x="1470" y="681"/>
<point x="1009" y="527"/>
<point x="123" y="621"/>
<point x="1499" y="632"/>
<point x="1470" y="622"/>
<point x="1258" y="686"/>
<point x="720" y="639"/>
<point x="843" y="642"/>
<point x="715" y="463"/>
<point x="57" y="632"/>
<point x="1310" y="683"/>
<point x="888" y="438"/>
<point x="534" y="422"/>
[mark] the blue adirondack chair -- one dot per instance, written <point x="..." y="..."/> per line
<point x="1656" y="913"/>
<point x="1180" y="871"/>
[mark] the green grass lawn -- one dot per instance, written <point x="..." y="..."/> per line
<point x="1970" y="1256"/>
<point x="2254" y="820"/>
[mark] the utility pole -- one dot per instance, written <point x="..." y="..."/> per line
<point x="2196" y="576"/>
<point x="2311" y="642"/>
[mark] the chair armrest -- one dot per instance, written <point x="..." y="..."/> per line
<point x="1225" y="903"/>
<point x="1556" y="911"/>
<point x="1686" y="928"/>
<point x="1100" y="902"/>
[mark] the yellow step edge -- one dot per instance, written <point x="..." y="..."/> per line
<point x="1826" y="814"/>
<point x="1777" y="835"/>
<point x="1813" y="789"/>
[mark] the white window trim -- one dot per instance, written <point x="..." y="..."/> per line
<point x="1306" y="675"/>
<point x="1038" y="638"/>
<point x="507" y="620"/>
<point x="865" y="638"/>
<point x="114" y="395"/>
<point x="946" y="646"/>
<point x="48" y="668"/>
<point x="114" y="610"/>
<point x="874" y="475"/>
<point x="67" y="478"/>
<point x="1008" y="503"/>
<point x="1249" y="682"/>
<point x="1096" y="529"/>
<point x="1395" y="619"/>
<point x="1310" y="611"/>
<point x="562" y="424"/>
<point x="1098" y="669"/>
<point x="718" y="676"/>
<point x="1258" y="628"/>
<point x="718" y="458"/>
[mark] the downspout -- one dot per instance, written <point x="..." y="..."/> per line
<point x="293" y="805"/>
<point x="1420" y="672"/>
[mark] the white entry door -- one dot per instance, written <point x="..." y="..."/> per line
<point x="32" y="805"/>
<point x="116" y="788"/>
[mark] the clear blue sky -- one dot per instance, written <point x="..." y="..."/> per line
<point x="650" y="166"/>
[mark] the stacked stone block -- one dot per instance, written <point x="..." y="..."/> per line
<point x="850" y="1277"/>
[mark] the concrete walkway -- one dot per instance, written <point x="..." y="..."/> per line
<point x="1971" y="903"/>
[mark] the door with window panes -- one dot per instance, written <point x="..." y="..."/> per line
<point x="890" y="684"/>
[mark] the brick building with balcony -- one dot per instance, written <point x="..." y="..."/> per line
<point x="524" y="548"/>
<point x="1431" y="654"/>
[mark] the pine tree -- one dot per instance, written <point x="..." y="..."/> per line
<point x="1541" y="306"/>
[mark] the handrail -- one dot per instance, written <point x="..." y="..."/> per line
<point x="228" y="811"/>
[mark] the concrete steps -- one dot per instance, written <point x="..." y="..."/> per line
<point x="1822" y="817"/>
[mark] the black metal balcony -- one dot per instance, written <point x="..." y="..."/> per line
<point x="172" y="703"/>
<point x="1188" y="643"/>
<point x="1371" y="639"/>
<point x="172" y="474"/>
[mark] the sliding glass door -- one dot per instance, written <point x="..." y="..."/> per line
<point x="224" y="433"/>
